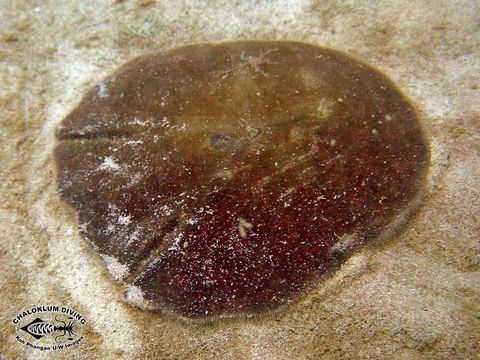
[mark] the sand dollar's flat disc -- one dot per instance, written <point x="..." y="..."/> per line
<point x="225" y="179"/>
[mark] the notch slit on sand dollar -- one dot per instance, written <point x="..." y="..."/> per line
<point x="226" y="179"/>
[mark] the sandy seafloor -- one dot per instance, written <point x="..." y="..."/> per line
<point x="413" y="297"/>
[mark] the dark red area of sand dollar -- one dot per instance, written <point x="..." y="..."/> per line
<point x="226" y="179"/>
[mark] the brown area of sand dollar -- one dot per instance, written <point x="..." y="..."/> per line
<point x="225" y="179"/>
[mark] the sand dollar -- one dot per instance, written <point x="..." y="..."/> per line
<point x="225" y="179"/>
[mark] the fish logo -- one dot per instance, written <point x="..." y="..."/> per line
<point x="49" y="327"/>
<point x="39" y="328"/>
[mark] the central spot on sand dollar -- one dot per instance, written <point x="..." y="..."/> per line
<point x="226" y="179"/>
